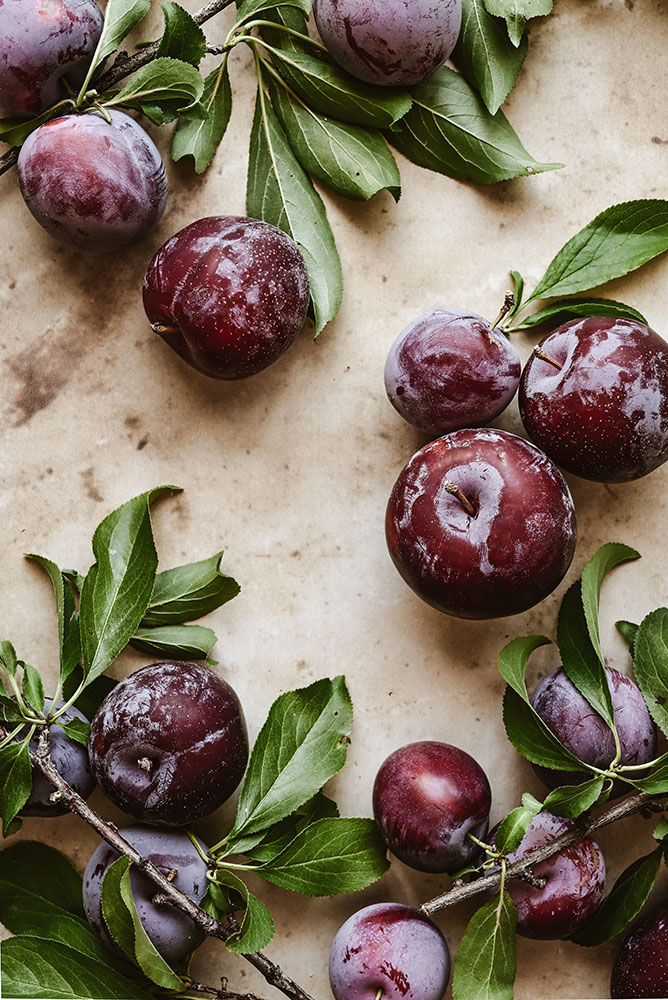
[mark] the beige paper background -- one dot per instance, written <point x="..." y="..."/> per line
<point x="290" y="471"/>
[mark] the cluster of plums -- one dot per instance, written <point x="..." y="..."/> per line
<point x="168" y="745"/>
<point x="430" y="799"/>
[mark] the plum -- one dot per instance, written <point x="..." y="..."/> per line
<point x="594" y="397"/>
<point x="574" y="888"/>
<point x="481" y="524"/>
<point x="228" y="294"/>
<point x="172" y="933"/>
<point x="169" y="743"/>
<point x="449" y="370"/>
<point x="93" y="184"/>
<point x="641" y="966"/>
<point x="41" y="41"/>
<point x="71" y="760"/>
<point x="582" y="731"/>
<point x="389" y="42"/>
<point x="426" y="798"/>
<point x="389" y="950"/>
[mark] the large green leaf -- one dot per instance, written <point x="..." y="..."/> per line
<point x="250" y="9"/>
<point x="593" y="575"/>
<point x="650" y="665"/>
<point x="571" y="801"/>
<point x="200" y="135"/>
<point x="186" y="593"/>
<point x="120" y="17"/>
<point x="579" y="657"/>
<point x="162" y="90"/>
<point x="266" y="846"/>
<point x="177" y="642"/>
<point x="485" y="964"/>
<point x="486" y="56"/>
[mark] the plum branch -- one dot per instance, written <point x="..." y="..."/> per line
<point x="222" y="930"/>
<point x="523" y="869"/>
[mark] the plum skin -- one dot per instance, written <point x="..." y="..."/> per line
<point x="448" y="370"/>
<point x="582" y="731"/>
<point x="641" y="965"/>
<point x="506" y="557"/>
<point x="229" y="294"/>
<point x="575" y="882"/>
<point x="40" y="41"/>
<point x="172" y="933"/>
<point x="169" y="743"/>
<point x="94" y="185"/>
<point x="604" y="415"/>
<point x="427" y="797"/>
<point x="389" y="947"/>
<point x="71" y="761"/>
<point x="384" y="42"/>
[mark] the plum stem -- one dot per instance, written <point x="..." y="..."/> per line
<point x="455" y="491"/>
<point x="548" y="358"/>
<point x="508" y="304"/>
<point x="164" y="328"/>
<point x="380" y="992"/>
<point x="145" y="764"/>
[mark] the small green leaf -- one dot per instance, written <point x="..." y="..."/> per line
<point x="513" y="660"/>
<point x="178" y="642"/>
<point x="571" y="801"/>
<point x="163" y="89"/>
<point x="629" y="631"/>
<point x="186" y="593"/>
<point x="257" y="926"/>
<point x="623" y="903"/>
<point x="199" y="136"/>
<point x="68" y="618"/>
<point x="329" y="857"/>
<point x="650" y="665"/>
<point x="15" y="781"/>
<point x="121" y="16"/>
<point x="564" y="308"/>
<point x="183" y="38"/>
<point x="77" y="730"/>
<point x="579" y="657"/>
<point x="593" y="575"/>
<point x="485" y="964"/>
<point x="449" y="130"/>
<point x="660" y="831"/>
<point x="33" y="688"/>
<point x="516" y="13"/>
<point x="511" y="831"/>
<point x="620" y="239"/>
<point x="488" y="59"/>
<point x="656" y="784"/>
<point x="8" y="658"/>
<point x="518" y="289"/>
<point x="9" y="709"/>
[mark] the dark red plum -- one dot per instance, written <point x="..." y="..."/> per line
<point x="172" y="933"/>
<point x="481" y="524"/>
<point x="71" y="760"/>
<point x="40" y="42"/>
<point x="574" y="888"/>
<point x="599" y="408"/>
<point x="427" y="798"/>
<point x="389" y="42"/>
<point x="392" y="950"/>
<point x="448" y="370"/>
<point x="582" y="730"/>
<point x="641" y="966"/>
<point x="228" y="294"/>
<point x="169" y="743"/>
<point x="94" y="185"/>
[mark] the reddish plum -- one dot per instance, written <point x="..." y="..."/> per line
<point x="228" y="294"/>
<point x="172" y="933"/>
<point x="94" y="185"/>
<point x="427" y="798"/>
<point x="40" y="42"/>
<point x="582" y="731"/>
<point x="169" y="743"/>
<point x="389" y="42"/>
<point x="641" y="966"/>
<point x="448" y="370"/>
<point x="71" y="760"/>
<point x="599" y="407"/>
<point x="392" y="950"/>
<point x="481" y="524"/>
<point x="574" y="888"/>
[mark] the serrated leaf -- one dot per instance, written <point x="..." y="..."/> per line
<point x="302" y="745"/>
<point x="121" y="16"/>
<point x="579" y="657"/>
<point x="252" y="8"/>
<point x="199" y="136"/>
<point x="571" y="801"/>
<point x="277" y="837"/>
<point x="352" y="161"/>
<point x="450" y="130"/>
<point x="511" y="830"/>
<point x="8" y="658"/>
<point x="257" y="926"/>
<point x="77" y="730"/>
<point x="628" y="630"/>
<point x="650" y="665"/>
<point x="33" y="688"/>
<point x="532" y="738"/>
<point x="516" y="13"/>
<point x="620" y="239"/>
<point x="513" y="660"/>
<point x="329" y="857"/>
<point x="623" y="903"/>
<point x="163" y="89"/>
<point x="15" y="781"/>
<point x="178" y="642"/>
<point x="68" y="618"/>
<point x="9" y="710"/>
<point x="485" y="964"/>
<point x="183" y="38"/>
<point x="118" y="587"/>
<point x="186" y="593"/>
<point x="564" y="308"/>
<point x="280" y="192"/>
<point x="486" y="56"/>
<point x="604" y="559"/>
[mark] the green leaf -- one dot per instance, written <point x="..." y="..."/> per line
<point x="9" y="709"/>
<point x="186" y="593"/>
<point x="33" y="688"/>
<point x="48" y="970"/>
<point x="571" y="801"/>
<point x="302" y="745"/>
<point x="656" y="784"/>
<point x="15" y="781"/>
<point x="628" y="630"/>
<point x="199" y="136"/>
<point x="121" y="16"/>
<point x="8" y="658"/>
<point x="650" y="664"/>
<point x="280" y="192"/>
<point x="486" y="56"/>
<point x="579" y="307"/>
<point x="162" y="89"/>
<point x="329" y="89"/>
<point x="277" y="837"/>
<point x="257" y="926"/>
<point x="250" y="9"/>
<point x="623" y="903"/>
<point x="485" y="964"/>
<point x="183" y="38"/>
<point x="516" y="13"/>
<point x="513" y="660"/>
<point x="93" y="694"/>
<point x="352" y="161"/>
<point x="620" y="239"/>
<point x="329" y="857"/>
<point x="579" y="657"/>
<point x="449" y="130"/>
<point x="77" y="730"/>
<point x="511" y="830"/>
<point x="15" y="131"/>
<point x="178" y="642"/>
<point x="518" y="289"/>
<point x="68" y="619"/>
<point x="593" y="575"/>
<point x="118" y="587"/>
<point x="660" y="831"/>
